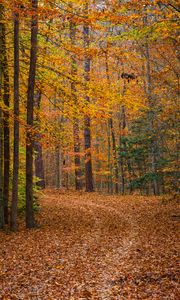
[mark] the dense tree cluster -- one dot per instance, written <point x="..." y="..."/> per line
<point x="88" y="99"/>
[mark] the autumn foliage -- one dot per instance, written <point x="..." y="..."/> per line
<point x="89" y="105"/>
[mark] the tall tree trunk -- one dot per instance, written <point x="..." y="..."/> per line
<point x="77" y="160"/>
<point x="151" y="120"/>
<point x="1" y="129"/>
<point x="16" y="126"/>
<point x="30" y="222"/>
<point x="111" y="126"/>
<point x="151" y="113"/>
<point x="39" y="165"/>
<point x="6" y="96"/>
<point x="1" y="170"/>
<point x="87" y="121"/>
<point x="6" y="143"/>
<point x="110" y="175"/>
<point x="122" y="126"/>
<point x="122" y="150"/>
<point x="38" y="161"/>
<point x="58" y="156"/>
<point x="123" y="147"/>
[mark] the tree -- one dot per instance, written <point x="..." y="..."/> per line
<point x="77" y="160"/>
<point x="39" y="166"/>
<point x="16" y="124"/>
<point x="101" y="75"/>
<point x="111" y="127"/>
<point x="6" y="129"/>
<point x="1" y="126"/>
<point x="87" y="121"/>
<point x="30" y="222"/>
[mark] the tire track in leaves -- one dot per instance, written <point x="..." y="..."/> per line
<point x="91" y="246"/>
<point x="107" y="224"/>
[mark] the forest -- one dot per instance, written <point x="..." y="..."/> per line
<point x="89" y="149"/>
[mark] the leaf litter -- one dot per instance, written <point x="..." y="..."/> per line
<point x="92" y="246"/>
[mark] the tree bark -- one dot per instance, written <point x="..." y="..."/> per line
<point x="110" y="175"/>
<point x="1" y="130"/>
<point x="151" y="119"/>
<point x="1" y="169"/>
<point x="13" y="222"/>
<point x="111" y="126"/>
<point x="30" y="222"/>
<point x="39" y="165"/>
<point x="6" y="143"/>
<point x="124" y="149"/>
<point x="6" y="131"/>
<point x="77" y="160"/>
<point x="57" y="166"/>
<point x="87" y="121"/>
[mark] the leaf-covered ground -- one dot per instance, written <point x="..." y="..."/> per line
<point x="92" y="246"/>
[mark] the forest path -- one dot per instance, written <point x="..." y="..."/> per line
<point x="92" y="246"/>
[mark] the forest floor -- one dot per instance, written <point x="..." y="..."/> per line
<point x="92" y="246"/>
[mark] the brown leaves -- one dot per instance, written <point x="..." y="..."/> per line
<point x="93" y="246"/>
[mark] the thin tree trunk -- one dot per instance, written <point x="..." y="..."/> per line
<point x="111" y="126"/>
<point x="110" y="175"/>
<point x="123" y="146"/>
<point x="77" y="160"/>
<point x="151" y="119"/>
<point x="16" y="126"/>
<point x="57" y="168"/>
<point x="151" y="114"/>
<point x="122" y="125"/>
<point x="6" y="151"/>
<point x="114" y="155"/>
<point x="122" y="150"/>
<point x="30" y="222"/>
<point x="6" y="145"/>
<point x="39" y="165"/>
<point x="88" y="160"/>
<point x="87" y="122"/>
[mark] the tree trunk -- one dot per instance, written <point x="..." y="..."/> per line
<point x="88" y="161"/>
<point x="124" y="149"/>
<point x="39" y="165"/>
<point x="151" y="120"/>
<point x="111" y="126"/>
<point x="16" y="126"/>
<point x="6" y="96"/>
<point x="1" y="133"/>
<point x="1" y="170"/>
<point x="87" y="122"/>
<point x="6" y="146"/>
<point x="30" y="222"/>
<point x="77" y="160"/>
<point x="110" y="175"/>
<point x="57" y="167"/>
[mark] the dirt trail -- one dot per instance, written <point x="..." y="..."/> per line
<point x="92" y="246"/>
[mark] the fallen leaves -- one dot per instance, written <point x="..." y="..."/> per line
<point x="92" y="246"/>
